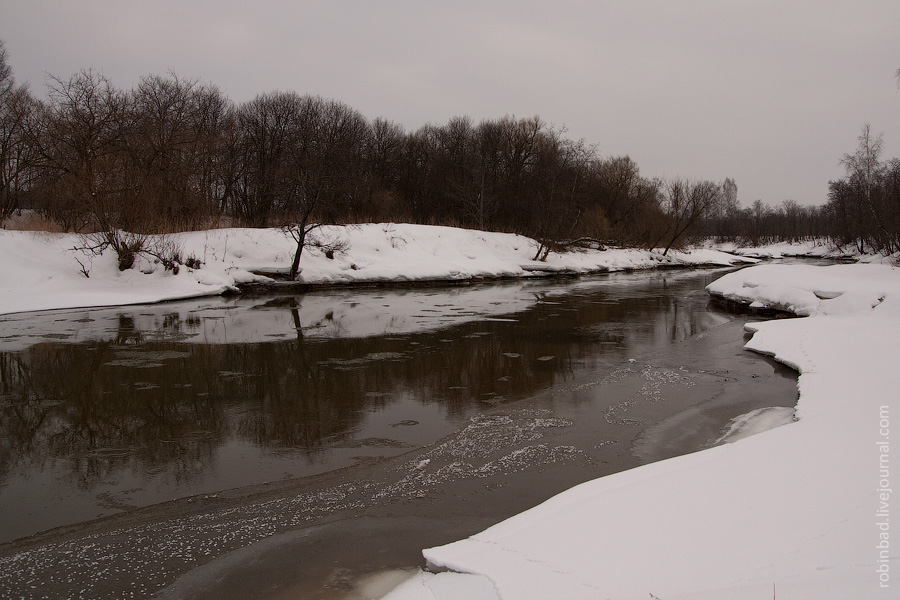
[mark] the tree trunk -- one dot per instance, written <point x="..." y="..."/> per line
<point x="300" y="236"/>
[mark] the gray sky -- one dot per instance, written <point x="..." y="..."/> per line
<point x="770" y="93"/>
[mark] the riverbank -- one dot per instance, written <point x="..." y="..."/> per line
<point x="43" y="271"/>
<point x="816" y="248"/>
<point x="800" y="511"/>
<point x="538" y="385"/>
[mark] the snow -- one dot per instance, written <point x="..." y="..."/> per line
<point x="776" y="250"/>
<point x="815" y="248"/>
<point x="42" y="271"/>
<point x="800" y="511"/>
<point x="807" y="290"/>
<point x="447" y="585"/>
<point x="809" y="249"/>
<point x="756" y="421"/>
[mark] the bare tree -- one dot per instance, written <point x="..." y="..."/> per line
<point x="864" y="169"/>
<point x="560" y="201"/>
<point x="619" y="178"/>
<point x="723" y="220"/>
<point x="419" y="181"/>
<point x="6" y="76"/>
<point x="792" y="213"/>
<point x="518" y="158"/>
<point x="383" y="153"/>
<point x="79" y="140"/>
<point x="865" y="162"/>
<point x="628" y="202"/>
<point x="686" y="203"/>
<point x="16" y="153"/>
<point x="302" y="162"/>
<point x="729" y="196"/>
<point x="322" y="170"/>
<point x="264" y="128"/>
<point x="174" y="144"/>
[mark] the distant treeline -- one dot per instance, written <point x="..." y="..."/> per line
<point x="174" y="154"/>
<point x="862" y="210"/>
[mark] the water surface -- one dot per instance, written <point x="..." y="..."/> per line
<point x="342" y="424"/>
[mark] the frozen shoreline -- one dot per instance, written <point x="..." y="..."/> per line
<point x="43" y="271"/>
<point x="794" y="509"/>
<point x="599" y="430"/>
<point x="800" y="511"/>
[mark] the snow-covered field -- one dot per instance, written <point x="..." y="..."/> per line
<point x="801" y="511"/>
<point x="42" y="271"/>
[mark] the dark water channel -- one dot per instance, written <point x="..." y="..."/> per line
<point x="284" y="447"/>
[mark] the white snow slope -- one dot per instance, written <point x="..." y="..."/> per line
<point x="801" y="511"/>
<point x="41" y="271"/>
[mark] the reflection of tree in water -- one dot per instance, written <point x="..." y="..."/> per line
<point x="164" y="408"/>
<point x="127" y="333"/>
<point x="65" y="402"/>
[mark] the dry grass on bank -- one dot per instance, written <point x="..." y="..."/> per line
<point x="28" y="220"/>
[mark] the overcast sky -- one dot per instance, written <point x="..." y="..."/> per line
<point x="770" y="93"/>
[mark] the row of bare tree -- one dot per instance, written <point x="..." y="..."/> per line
<point x="864" y="207"/>
<point x="862" y="211"/>
<point x="175" y="154"/>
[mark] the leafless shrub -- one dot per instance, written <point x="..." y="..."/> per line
<point x="162" y="249"/>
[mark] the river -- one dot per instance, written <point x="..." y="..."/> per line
<point x="293" y="446"/>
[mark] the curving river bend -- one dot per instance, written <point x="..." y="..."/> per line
<point x="291" y="446"/>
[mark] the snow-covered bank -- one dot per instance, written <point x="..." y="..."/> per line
<point x="806" y="249"/>
<point x="820" y="248"/>
<point x="801" y="511"/>
<point x="41" y="271"/>
<point x="805" y="290"/>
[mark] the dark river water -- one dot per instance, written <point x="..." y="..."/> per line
<point x="291" y="446"/>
